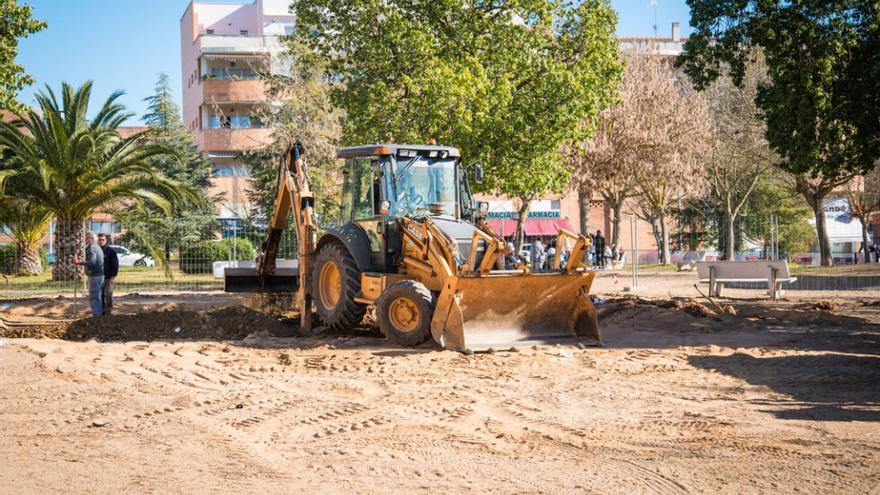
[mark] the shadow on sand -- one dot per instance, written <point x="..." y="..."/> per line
<point x="824" y="387"/>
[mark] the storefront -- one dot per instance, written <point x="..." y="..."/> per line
<point x="543" y="222"/>
<point x="844" y="232"/>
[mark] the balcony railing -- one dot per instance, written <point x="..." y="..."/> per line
<point x="234" y="91"/>
<point x="235" y="139"/>
<point x="219" y="43"/>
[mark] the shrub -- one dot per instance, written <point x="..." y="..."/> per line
<point x="200" y="257"/>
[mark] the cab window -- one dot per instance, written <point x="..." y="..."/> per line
<point x="359" y="196"/>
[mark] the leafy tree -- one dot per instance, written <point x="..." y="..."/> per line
<point x="193" y="217"/>
<point x="74" y="167"/>
<point x="301" y="112"/>
<point x="774" y="195"/>
<point x="671" y="143"/>
<point x="509" y="83"/>
<point x="15" y="23"/>
<point x="822" y="97"/>
<point x="609" y="161"/>
<point x="739" y="153"/>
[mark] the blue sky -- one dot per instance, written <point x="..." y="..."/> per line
<point x="124" y="44"/>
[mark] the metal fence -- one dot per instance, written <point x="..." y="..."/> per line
<point x="152" y="257"/>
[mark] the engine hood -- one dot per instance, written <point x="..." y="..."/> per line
<point x="461" y="233"/>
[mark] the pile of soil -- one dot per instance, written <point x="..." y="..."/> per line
<point x="221" y="324"/>
<point x="687" y="305"/>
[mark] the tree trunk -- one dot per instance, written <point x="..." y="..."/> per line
<point x="730" y="239"/>
<point x="656" y="233"/>
<point x="520" y="232"/>
<point x="69" y="244"/>
<point x="664" y="232"/>
<point x="867" y="254"/>
<point x="27" y="259"/>
<point x="822" y="234"/>
<point x="615" y="225"/>
<point x="584" y="211"/>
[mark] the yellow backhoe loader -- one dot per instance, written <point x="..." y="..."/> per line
<point x="415" y="244"/>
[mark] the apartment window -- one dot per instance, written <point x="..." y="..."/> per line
<point x="288" y="29"/>
<point x="232" y="73"/>
<point x="210" y="31"/>
<point x="555" y="204"/>
<point x="231" y="170"/>
<point x="104" y="227"/>
<point x="235" y="122"/>
<point x="243" y="32"/>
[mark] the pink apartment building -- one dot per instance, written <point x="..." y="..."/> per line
<point x="224" y="48"/>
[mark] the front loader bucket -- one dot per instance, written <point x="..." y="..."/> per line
<point x="500" y="311"/>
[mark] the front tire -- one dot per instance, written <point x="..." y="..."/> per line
<point x="140" y="263"/>
<point x="337" y="281"/>
<point x="404" y="312"/>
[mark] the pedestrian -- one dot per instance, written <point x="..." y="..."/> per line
<point x="551" y="257"/>
<point x="111" y="269"/>
<point x="606" y="259"/>
<point x="600" y="249"/>
<point x="94" y="268"/>
<point x="536" y="255"/>
<point x="510" y="259"/>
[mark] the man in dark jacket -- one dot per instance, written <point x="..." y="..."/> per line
<point x="599" y="244"/>
<point x="94" y="267"/>
<point x="111" y="269"/>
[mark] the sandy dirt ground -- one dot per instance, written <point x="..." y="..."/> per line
<point x="182" y="397"/>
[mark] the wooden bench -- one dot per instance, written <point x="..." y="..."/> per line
<point x="717" y="273"/>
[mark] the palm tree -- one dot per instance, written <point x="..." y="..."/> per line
<point x="74" y="167"/>
<point x="27" y="221"/>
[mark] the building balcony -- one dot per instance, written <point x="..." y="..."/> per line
<point x="218" y="43"/>
<point x="235" y="139"/>
<point x="234" y="91"/>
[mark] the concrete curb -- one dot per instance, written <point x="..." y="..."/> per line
<point x="818" y="282"/>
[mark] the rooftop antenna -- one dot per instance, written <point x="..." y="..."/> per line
<point x="654" y="6"/>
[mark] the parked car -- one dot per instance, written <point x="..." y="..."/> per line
<point x="130" y="258"/>
<point x="126" y="257"/>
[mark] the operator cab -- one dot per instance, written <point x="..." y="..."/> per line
<point x="414" y="180"/>
<point x="382" y="182"/>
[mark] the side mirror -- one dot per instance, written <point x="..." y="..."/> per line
<point x="478" y="173"/>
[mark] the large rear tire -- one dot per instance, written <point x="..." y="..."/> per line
<point x="404" y="312"/>
<point x="337" y="281"/>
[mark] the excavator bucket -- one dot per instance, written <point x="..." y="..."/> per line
<point x="501" y="311"/>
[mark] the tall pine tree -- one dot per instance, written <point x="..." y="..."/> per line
<point x="191" y="220"/>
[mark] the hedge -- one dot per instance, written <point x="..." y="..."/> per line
<point x="200" y="257"/>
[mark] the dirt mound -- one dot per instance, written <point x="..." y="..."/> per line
<point x="221" y="324"/>
<point x="689" y="306"/>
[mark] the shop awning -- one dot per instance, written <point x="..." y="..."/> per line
<point x="538" y="227"/>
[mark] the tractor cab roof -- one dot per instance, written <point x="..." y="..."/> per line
<point x="395" y="149"/>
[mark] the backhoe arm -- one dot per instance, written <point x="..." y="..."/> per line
<point x="292" y="192"/>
